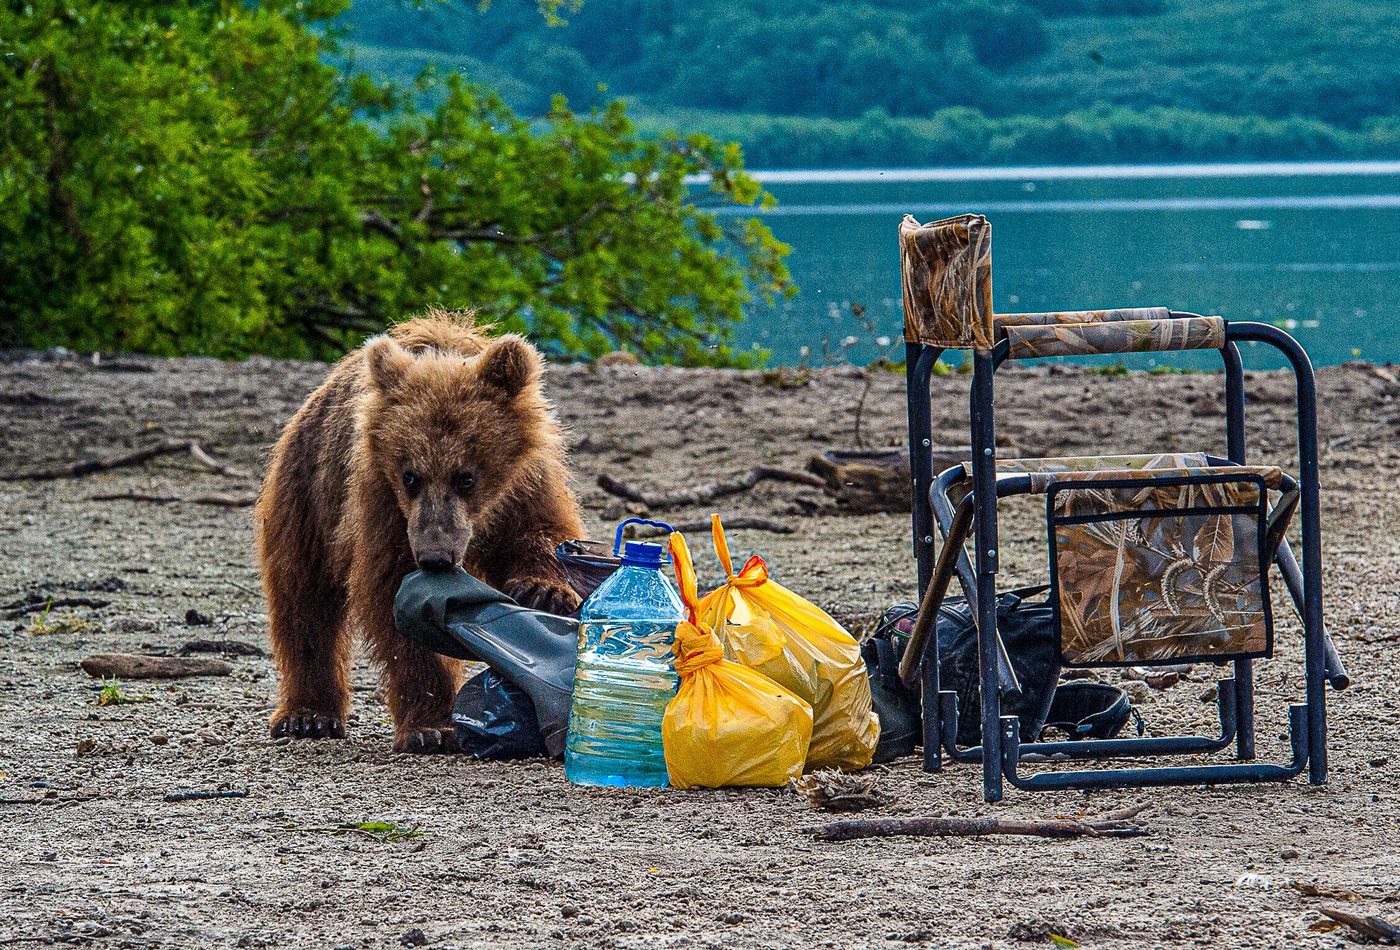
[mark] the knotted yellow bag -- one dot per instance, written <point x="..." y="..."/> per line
<point x="795" y="643"/>
<point x="728" y="724"/>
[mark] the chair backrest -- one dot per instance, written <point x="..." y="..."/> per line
<point x="946" y="272"/>
<point x="946" y="269"/>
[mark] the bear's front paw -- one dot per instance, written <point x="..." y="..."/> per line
<point x="553" y="597"/>
<point x="307" y="724"/>
<point x="425" y="740"/>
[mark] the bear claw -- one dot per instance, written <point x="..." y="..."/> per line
<point x="305" y="724"/>
<point x="425" y="741"/>
<point x="548" y="596"/>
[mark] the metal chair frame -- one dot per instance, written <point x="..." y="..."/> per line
<point x="976" y="513"/>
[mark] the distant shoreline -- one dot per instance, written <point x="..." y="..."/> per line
<point x="1071" y="172"/>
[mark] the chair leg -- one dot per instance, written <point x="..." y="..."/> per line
<point x="932" y="716"/>
<point x="1244" y="709"/>
<point x="984" y="463"/>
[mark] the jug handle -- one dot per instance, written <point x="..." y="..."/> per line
<point x="617" y="539"/>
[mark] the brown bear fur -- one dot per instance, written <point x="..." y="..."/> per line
<point x="340" y="522"/>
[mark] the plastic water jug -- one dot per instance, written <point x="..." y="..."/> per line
<point x="625" y="674"/>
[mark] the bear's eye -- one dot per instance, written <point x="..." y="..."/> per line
<point x="464" y="482"/>
<point x="410" y="483"/>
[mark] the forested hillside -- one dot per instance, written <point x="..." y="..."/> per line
<point x="801" y="82"/>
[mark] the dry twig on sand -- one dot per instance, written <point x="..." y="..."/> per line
<point x="80" y="469"/>
<point x="213" y="464"/>
<point x="20" y="608"/>
<point x="1119" y="824"/>
<point x="134" y="666"/>
<point x="704" y="494"/>
<point x="201" y="796"/>
<point x="1372" y="928"/>
<point x="126" y="460"/>
<point x="219" y="501"/>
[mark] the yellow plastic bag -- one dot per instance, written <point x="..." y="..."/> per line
<point x="795" y="643"/>
<point x="728" y="724"/>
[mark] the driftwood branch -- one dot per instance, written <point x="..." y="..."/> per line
<point x="20" y="608"/>
<point x="1372" y="928"/>
<point x="1103" y="827"/>
<point x="134" y="666"/>
<point x="213" y="464"/>
<point x="704" y="494"/>
<point x="220" y="501"/>
<point x="80" y="469"/>
<point x="203" y="796"/>
<point x="226" y="647"/>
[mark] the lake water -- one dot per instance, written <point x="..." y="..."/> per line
<point x="1311" y="247"/>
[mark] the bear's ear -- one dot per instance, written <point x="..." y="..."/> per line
<point x="388" y="364"/>
<point x="510" y="365"/>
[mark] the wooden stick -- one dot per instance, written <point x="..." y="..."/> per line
<point x="201" y="796"/>
<point x="80" y="469"/>
<point x="704" y="494"/>
<point x="220" y="501"/>
<point x="213" y="464"/>
<point x="20" y="609"/>
<point x="1371" y="927"/>
<point x="133" y="666"/>
<point x="226" y="647"/>
<point x="976" y="828"/>
<point x="1122" y="814"/>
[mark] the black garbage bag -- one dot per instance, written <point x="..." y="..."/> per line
<point x="456" y="615"/>
<point x="495" y="719"/>
<point x="586" y="564"/>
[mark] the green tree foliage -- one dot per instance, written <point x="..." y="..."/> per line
<point x="200" y="177"/>
<point x="1036" y="80"/>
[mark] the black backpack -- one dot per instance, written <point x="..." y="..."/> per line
<point x="1027" y="629"/>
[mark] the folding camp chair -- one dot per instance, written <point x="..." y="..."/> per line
<point x="1154" y="559"/>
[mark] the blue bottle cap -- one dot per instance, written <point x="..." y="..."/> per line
<point x="643" y="554"/>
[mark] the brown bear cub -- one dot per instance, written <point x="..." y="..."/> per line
<point x="428" y="447"/>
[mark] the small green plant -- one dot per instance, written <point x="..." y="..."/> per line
<point x="785" y="378"/>
<point x="112" y="694"/>
<point x="941" y="368"/>
<point x="383" y="831"/>
<point x="1167" y="370"/>
<point x="1117" y="369"/>
<point x="387" y="830"/>
<point x="43" y="624"/>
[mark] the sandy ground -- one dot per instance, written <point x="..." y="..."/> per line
<point x="510" y="854"/>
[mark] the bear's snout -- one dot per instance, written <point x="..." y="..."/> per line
<point x="438" y="534"/>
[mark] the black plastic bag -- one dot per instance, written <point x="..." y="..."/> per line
<point x="456" y="615"/>
<point x="586" y="564"/>
<point x="495" y="719"/>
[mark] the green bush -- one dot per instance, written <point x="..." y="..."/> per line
<point x="198" y="178"/>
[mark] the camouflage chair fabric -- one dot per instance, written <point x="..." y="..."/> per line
<point x="1160" y="566"/>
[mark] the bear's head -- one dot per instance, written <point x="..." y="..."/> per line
<point x="453" y="437"/>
